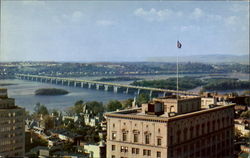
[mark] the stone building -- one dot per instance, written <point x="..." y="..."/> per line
<point x="171" y="128"/>
<point x="12" y="134"/>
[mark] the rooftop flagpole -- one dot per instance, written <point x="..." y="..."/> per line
<point x="177" y="69"/>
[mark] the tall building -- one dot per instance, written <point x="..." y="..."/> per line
<point x="171" y="128"/>
<point x="12" y="135"/>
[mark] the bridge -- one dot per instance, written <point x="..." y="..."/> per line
<point x="106" y="86"/>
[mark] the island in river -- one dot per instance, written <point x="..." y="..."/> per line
<point x="50" y="91"/>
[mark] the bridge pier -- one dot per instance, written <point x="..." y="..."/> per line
<point x="116" y="89"/>
<point x="89" y="85"/>
<point x="138" y="92"/>
<point x="97" y="86"/>
<point x="107" y="88"/>
<point x="68" y="83"/>
<point x="75" y="84"/>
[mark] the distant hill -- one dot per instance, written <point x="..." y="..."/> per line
<point x="215" y="58"/>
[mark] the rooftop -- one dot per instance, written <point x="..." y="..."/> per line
<point x="143" y="113"/>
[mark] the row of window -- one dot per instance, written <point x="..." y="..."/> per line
<point x="136" y="151"/>
<point x="200" y="129"/>
<point x="147" y="138"/>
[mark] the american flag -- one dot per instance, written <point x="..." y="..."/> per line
<point x="178" y="44"/>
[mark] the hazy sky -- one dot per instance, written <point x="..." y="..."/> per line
<point x="121" y="31"/>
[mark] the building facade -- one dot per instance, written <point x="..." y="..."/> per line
<point x="12" y="134"/>
<point x="171" y="128"/>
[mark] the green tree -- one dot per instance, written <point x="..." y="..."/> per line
<point x="55" y="112"/>
<point x="113" y="105"/>
<point x="127" y="103"/>
<point x="78" y="107"/>
<point x="95" y="107"/>
<point x="41" y="109"/>
<point x="245" y="114"/>
<point x="142" y="98"/>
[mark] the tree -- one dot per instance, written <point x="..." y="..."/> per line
<point x="95" y="107"/>
<point x="127" y="103"/>
<point x="113" y="105"/>
<point x="245" y="114"/>
<point x="78" y="107"/>
<point x="41" y="109"/>
<point x="55" y="112"/>
<point x="143" y="98"/>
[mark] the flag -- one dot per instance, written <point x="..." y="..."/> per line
<point x="178" y="44"/>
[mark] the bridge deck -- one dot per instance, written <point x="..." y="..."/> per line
<point x="108" y="83"/>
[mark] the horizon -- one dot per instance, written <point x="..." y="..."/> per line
<point x="87" y="31"/>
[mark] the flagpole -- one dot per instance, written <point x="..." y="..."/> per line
<point x="177" y="75"/>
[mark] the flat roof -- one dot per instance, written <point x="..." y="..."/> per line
<point x="137" y="114"/>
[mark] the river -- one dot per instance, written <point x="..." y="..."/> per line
<point x="23" y="92"/>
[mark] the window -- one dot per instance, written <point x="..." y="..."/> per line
<point x="146" y="152"/>
<point x="149" y="152"/>
<point x="113" y="147"/>
<point x="113" y="136"/>
<point x="158" y="154"/>
<point x="124" y="149"/>
<point x="135" y="137"/>
<point x="135" y="150"/>
<point x="147" y="137"/>
<point x="178" y="136"/>
<point x="191" y="132"/>
<point x="113" y="156"/>
<point x="197" y="130"/>
<point x="208" y="127"/>
<point x="158" y="141"/>
<point x="185" y="134"/>
<point x="203" y="129"/>
<point x="124" y="136"/>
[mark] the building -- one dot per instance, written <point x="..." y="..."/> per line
<point x="95" y="150"/>
<point x="171" y="128"/>
<point x="243" y="125"/>
<point x="12" y="134"/>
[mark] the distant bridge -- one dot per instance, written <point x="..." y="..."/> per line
<point x="106" y="86"/>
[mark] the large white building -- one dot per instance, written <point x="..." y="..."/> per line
<point x="12" y="134"/>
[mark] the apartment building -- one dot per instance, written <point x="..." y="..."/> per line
<point x="12" y="134"/>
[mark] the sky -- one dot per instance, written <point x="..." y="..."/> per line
<point x="91" y="31"/>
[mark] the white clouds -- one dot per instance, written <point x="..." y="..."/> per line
<point x="197" y="13"/>
<point x="231" y="20"/>
<point x="105" y="22"/>
<point x="153" y="14"/>
<point x="74" y="17"/>
<point x="189" y="28"/>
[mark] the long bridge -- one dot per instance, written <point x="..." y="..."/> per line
<point x="106" y="86"/>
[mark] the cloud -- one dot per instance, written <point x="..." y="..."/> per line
<point x="154" y="15"/>
<point x="197" y="13"/>
<point x="231" y="20"/>
<point x="74" y="17"/>
<point x="105" y="22"/>
<point x="189" y="28"/>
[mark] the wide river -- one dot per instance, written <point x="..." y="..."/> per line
<point x="23" y="92"/>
